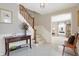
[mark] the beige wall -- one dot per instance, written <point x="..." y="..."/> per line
<point x="36" y="17"/>
<point x="76" y="18"/>
<point x="45" y="20"/>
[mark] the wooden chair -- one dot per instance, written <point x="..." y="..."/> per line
<point x="71" y="45"/>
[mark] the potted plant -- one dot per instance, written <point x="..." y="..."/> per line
<point x="25" y="28"/>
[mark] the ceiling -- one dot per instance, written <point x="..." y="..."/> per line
<point x="49" y="7"/>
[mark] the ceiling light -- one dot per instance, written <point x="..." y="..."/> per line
<point x="42" y="5"/>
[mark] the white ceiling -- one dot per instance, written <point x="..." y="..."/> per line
<point x="49" y="7"/>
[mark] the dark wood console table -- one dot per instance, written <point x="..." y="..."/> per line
<point x="15" y="39"/>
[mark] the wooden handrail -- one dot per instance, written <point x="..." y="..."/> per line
<point x="28" y="17"/>
<point x="23" y="8"/>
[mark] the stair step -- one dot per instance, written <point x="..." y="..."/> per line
<point x="37" y="33"/>
<point x="40" y="40"/>
<point x="38" y="36"/>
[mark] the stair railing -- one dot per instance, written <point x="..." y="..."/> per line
<point x="28" y="18"/>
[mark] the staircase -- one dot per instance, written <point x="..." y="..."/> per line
<point x="40" y="39"/>
<point x="37" y="37"/>
<point x="28" y="18"/>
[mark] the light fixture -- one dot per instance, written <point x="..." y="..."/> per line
<point x="42" y="5"/>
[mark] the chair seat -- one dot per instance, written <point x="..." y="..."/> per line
<point x="70" y="45"/>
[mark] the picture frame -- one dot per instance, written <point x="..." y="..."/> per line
<point x="78" y="18"/>
<point x="5" y="16"/>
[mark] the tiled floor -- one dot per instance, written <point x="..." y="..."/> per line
<point x="42" y="50"/>
<point x="45" y="49"/>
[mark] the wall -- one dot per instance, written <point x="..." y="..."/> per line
<point x="75" y="18"/>
<point x="36" y="17"/>
<point x="9" y="29"/>
<point x="45" y="21"/>
<point x="14" y="27"/>
<point x="76" y="27"/>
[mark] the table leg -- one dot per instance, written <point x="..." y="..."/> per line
<point x="63" y="50"/>
<point x="7" y="49"/>
<point x="30" y="42"/>
<point x="27" y="41"/>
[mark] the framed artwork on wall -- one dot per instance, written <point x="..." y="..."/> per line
<point x="78" y="17"/>
<point x="5" y="16"/>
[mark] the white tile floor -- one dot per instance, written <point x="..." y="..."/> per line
<point x="41" y="50"/>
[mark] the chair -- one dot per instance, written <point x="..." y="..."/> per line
<point x="71" y="43"/>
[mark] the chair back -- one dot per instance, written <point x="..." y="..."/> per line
<point x="73" y="39"/>
<point x="76" y="38"/>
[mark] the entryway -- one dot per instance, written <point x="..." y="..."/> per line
<point x="60" y="29"/>
<point x="61" y="25"/>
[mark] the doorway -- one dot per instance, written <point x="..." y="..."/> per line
<point x="61" y="25"/>
<point x="60" y="28"/>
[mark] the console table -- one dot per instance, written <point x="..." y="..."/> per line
<point x="15" y="39"/>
